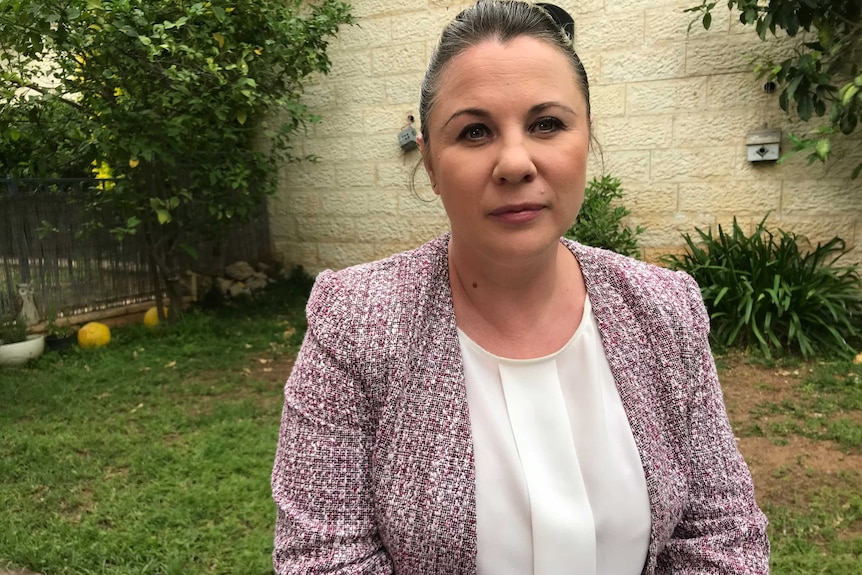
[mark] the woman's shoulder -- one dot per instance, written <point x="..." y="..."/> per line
<point x="605" y="266"/>
<point x="380" y="287"/>
<point x="647" y="287"/>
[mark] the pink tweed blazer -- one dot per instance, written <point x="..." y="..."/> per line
<point x="374" y="469"/>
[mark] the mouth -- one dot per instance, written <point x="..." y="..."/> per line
<point x="517" y="213"/>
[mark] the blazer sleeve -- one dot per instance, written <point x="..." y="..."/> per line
<point x="321" y="480"/>
<point x="722" y="530"/>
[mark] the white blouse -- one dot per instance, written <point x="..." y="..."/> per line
<point x="559" y="483"/>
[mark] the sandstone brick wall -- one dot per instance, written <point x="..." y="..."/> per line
<point x="671" y="112"/>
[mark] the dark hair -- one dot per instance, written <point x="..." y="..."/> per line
<point x="503" y="20"/>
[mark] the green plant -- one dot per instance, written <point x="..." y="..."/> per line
<point x="59" y="330"/>
<point x="601" y="224"/>
<point x="189" y="106"/>
<point x="823" y="74"/>
<point x="765" y="290"/>
<point x="12" y="331"/>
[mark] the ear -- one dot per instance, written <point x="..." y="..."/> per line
<point x="426" y="161"/>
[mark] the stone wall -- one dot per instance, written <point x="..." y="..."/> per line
<point x="672" y="111"/>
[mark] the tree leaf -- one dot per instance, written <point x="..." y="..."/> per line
<point x="164" y="216"/>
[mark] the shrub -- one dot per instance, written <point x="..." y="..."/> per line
<point x="765" y="290"/>
<point x="601" y="225"/>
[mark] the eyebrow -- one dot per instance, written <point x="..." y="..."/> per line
<point x="482" y="113"/>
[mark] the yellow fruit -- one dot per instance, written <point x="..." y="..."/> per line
<point x="94" y="334"/>
<point x="151" y="318"/>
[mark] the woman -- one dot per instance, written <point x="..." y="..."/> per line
<point x="501" y="401"/>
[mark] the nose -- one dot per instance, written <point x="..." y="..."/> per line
<point x="514" y="161"/>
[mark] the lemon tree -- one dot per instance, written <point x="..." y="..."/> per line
<point x="171" y="96"/>
<point x="823" y="77"/>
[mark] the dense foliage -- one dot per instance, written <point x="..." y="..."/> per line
<point x="189" y="105"/>
<point x="601" y="221"/>
<point x="823" y="76"/>
<point x="765" y="290"/>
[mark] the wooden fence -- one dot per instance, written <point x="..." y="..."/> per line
<point x="70" y="272"/>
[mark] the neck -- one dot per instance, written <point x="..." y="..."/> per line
<point x="525" y="308"/>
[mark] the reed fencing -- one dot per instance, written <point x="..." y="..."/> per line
<point x="70" y="272"/>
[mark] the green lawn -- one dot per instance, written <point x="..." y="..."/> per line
<point x="153" y="455"/>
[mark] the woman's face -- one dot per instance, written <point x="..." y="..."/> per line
<point x="507" y="151"/>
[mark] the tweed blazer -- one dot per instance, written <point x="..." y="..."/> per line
<point x="374" y="470"/>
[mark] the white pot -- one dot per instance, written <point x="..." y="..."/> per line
<point x="21" y="352"/>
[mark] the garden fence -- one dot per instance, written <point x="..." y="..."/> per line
<point x="43" y="243"/>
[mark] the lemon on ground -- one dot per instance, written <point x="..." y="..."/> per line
<point x="151" y="318"/>
<point x="94" y="334"/>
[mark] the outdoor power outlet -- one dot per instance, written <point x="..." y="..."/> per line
<point x="407" y="139"/>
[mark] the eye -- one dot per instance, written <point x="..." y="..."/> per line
<point x="474" y="132"/>
<point x="547" y="125"/>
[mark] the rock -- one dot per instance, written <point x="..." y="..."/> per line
<point x="858" y="359"/>
<point x="205" y="284"/>
<point x="239" y="271"/>
<point x="237" y="289"/>
<point x="224" y="285"/>
<point x="255" y="284"/>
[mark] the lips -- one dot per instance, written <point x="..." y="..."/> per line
<point x="517" y="213"/>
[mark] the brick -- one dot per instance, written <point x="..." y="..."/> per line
<point x="608" y="32"/>
<point x="592" y="62"/>
<point x="692" y="164"/>
<point x="332" y="150"/>
<point x="341" y="121"/>
<point x="341" y="255"/>
<point x="360" y="92"/>
<point x="377" y="8"/>
<point x="672" y="23"/>
<point x="380" y="147"/>
<point x="383" y="202"/>
<point x="367" y="33"/>
<point x="822" y="197"/>
<point x="356" y="174"/>
<point x="396" y="174"/>
<point x="631" y="64"/>
<point x="714" y="128"/>
<point x="387" y="120"/>
<point x="325" y="228"/>
<point x="404" y="89"/>
<point x="730" y="54"/>
<point x="629" y="166"/>
<point x="738" y="90"/>
<point x="643" y="133"/>
<point x="665" y="232"/>
<point x="399" y="59"/>
<point x="422" y="202"/>
<point x="292" y="254"/>
<point x="283" y="229"/>
<point x="320" y="95"/>
<point x="666" y="96"/>
<point x="294" y="202"/>
<point x="821" y="230"/>
<point x="613" y="6"/>
<point x="644" y="198"/>
<point x="425" y="24"/>
<point x="755" y="198"/>
<point x="383" y="229"/>
<point x="607" y="101"/>
<point x="350" y="64"/>
<point x="581" y="8"/>
<point x="349" y="202"/>
<point x="307" y="175"/>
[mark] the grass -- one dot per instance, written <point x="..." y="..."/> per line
<point x="152" y="455"/>
<point x="814" y="502"/>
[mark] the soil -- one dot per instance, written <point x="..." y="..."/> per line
<point x="790" y="469"/>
